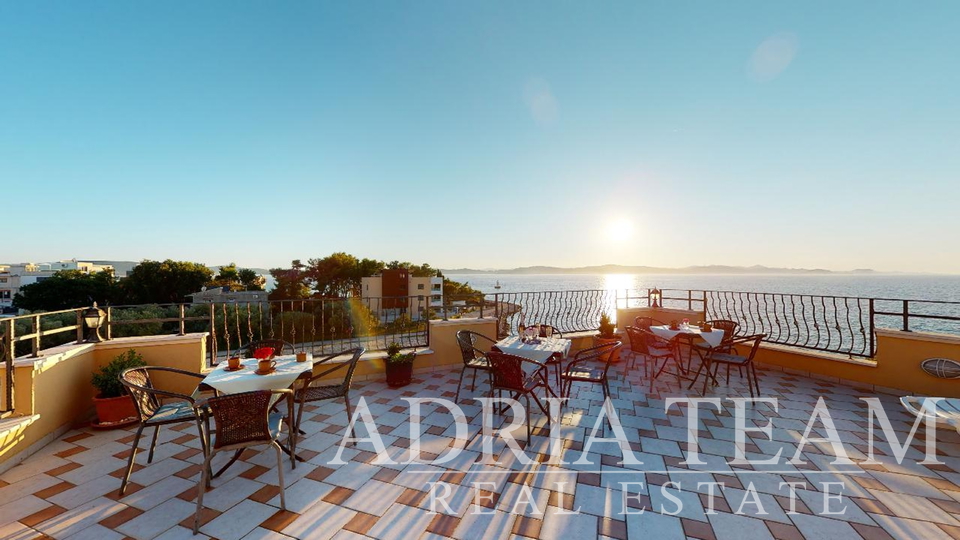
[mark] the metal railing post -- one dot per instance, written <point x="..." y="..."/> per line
<point x="873" y="325"/>
<point x="183" y="323"/>
<point x="108" y="323"/>
<point x="9" y="353"/>
<point x="35" y="340"/>
<point x="80" y="326"/>
<point x="906" y="315"/>
<point x="689" y="300"/>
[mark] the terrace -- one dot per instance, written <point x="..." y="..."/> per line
<point x="61" y="477"/>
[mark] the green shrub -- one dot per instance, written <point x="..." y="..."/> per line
<point x="107" y="380"/>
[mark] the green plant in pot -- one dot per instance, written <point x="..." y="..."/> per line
<point x="399" y="366"/>
<point x="607" y="334"/>
<point x="114" y="405"/>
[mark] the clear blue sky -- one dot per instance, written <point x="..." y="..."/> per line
<point x="494" y="134"/>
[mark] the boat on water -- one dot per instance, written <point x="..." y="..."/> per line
<point x="497" y="286"/>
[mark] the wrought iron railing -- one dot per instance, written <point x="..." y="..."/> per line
<point x="567" y="311"/>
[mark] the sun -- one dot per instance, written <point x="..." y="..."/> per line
<point x="619" y="230"/>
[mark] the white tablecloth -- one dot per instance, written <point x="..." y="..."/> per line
<point x="712" y="338"/>
<point x="540" y="352"/>
<point x="245" y="380"/>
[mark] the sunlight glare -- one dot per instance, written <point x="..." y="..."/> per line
<point x="619" y="229"/>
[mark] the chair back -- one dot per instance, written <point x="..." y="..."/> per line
<point x="601" y="353"/>
<point x="241" y="418"/>
<point x="645" y="323"/>
<point x="138" y="383"/>
<point x="757" y="339"/>
<point x="729" y="328"/>
<point x="468" y="345"/>
<point x="653" y="340"/>
<point x="507" y="371"/>
<point x="354" y="360"/>
<point x="279" y="346"/>
<point x="638" y="343"/>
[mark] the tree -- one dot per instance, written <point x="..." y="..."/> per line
<point x="238" y="279"/>
<point x="251" y="280"/>
<point x="167" y="282"/>
<point x="292" y="283"/>
<point x="68" y="289"/>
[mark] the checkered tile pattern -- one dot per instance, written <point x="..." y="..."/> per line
<point x="69" y="488"/>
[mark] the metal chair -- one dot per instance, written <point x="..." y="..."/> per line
<point x="279" y="346"/>
<point x="730" y="329"/>
<point x="662" y="349"/>
<point x="557" y="359"/>
<point x="716" y="358"/>
<point x="580" y="370"/>
<point x="242" y="420"/>
<point x="507" y="373"/>
<point x="644" y="323"/>
<point x="473" y="357"/>
<point x="151" y="410"/>
<point x="310" y="387"/>
<point x="638" y="345"/>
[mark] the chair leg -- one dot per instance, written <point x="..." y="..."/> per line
<point x="201" y="488"/>
<point x="756" y="380"/>
<point x="153" y="444"/>
<point x="459" y="384"/>
<point x="236" y="456"/>
<point x="529" y="436"/>
<point x="133" y="456"/>
<point x="204" y="447"/>
<point x="283" y="500"/>
<point x="350" y="431"/>
<point x="473" y="384"/>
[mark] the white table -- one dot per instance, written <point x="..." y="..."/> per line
<point x="538" y="352"/>
<point x="713" y="338"/>
<point x="245" y="380"/>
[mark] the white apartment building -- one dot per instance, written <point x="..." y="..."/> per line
<point x="15" y="276"/>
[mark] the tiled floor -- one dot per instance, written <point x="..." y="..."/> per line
<point x="69" y="489"/>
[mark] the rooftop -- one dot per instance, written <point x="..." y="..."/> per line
<point x="68" y="489"/>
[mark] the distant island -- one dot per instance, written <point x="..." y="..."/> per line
<point x="621" y="269"/>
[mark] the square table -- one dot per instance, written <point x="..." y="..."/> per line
<point x="713" y="338"/>
<point x="546" y="350"/>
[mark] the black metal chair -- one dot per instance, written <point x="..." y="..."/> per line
<point x="644" y="323"/>
<point x="311" y="388"/>
<point x="508" y="374"/>
<point x="473" y="357"/>
<point x="153" y="412"/>
<point x="584" y="367"/>
<point x="659" y="348"/>
<point x="714" y="359"/>
<point x="242" y="420"/>
<point x="557" y="359"/>
<point x="638" y="345"/>
<point x="730" y="329"/>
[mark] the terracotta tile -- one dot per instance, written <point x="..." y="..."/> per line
<point x="950" y="506"/>
<point x="656" y="479"/>
<point x="952" y="531"/>
<point x="320" y="473"/>
<point x="719" y="502"/>
<point x="63" y="469"/>
<point x="71" y="451"/>
<point x="869" y="532"/>
<point x="613" y="528"/>
<point x="206" y="516"/>
<point x="53" y="490"/>
<point x="122" y="471"/>
<point x="523" y="526"/>
<point x="265" y="493"/>
<point x="124" y="454"/>
<point x="361" y="523"/>
<point x="78" y="437"/>
<point x="872" y="506"/>
<point x="184" y="439"/>
<point x="189" y="472"/>
<point x="190" y="495"/>
<point x="121" y="517"/>
<point x="127" y="440"/>
<point x="188" y="453"/>
<point x="307" y="455"/>
<point x="436" y="430"/>
<point x="697" y="529"/>
<point x="782" y="531"/>
<point x="43" y="515"/>
<point x="589" y="479"/>
<point x="280" y="520"/>
<point x="728" y="481"/>
<point x="253" y="472"/>
<point x="339" y="495"/>
<point x="411" y="497"/>
<point x="387" y="475"/>
<point x="869" y="482"/>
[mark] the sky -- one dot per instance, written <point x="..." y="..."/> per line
<point x="485" y="134"/>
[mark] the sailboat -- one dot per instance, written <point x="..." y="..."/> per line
<point x="497" y="286"/>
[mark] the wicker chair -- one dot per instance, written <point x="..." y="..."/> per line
<point x="279" y="346"/>
<point x="730" y="329"/>
<point x="242" y="420"/>
<point x="715" y="359"/>
<point x="644" y="323"/>
<point x="662" y="349"/>
<point x="557" y="359"/>
<point x="638" y="345"/>
<point x="151" y="410"/>
<point x="473" y="357"/>
<point x="310" y="387"/>
<point x="584" y="368"/>
<point x="507" y="374"/>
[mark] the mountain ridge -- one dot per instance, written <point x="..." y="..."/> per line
<point x="627" y="269"/>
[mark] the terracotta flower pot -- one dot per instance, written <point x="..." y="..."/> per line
<point x="597" y="341"/>
<point x="399" y="374"/>
<point x="115" y="412"/>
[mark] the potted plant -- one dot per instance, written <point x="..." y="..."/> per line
<point x="114" y="405"/>
<point x="607" y="334"/>
<point x="399" y="366"/>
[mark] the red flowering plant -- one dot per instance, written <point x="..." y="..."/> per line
<point x="263" y="353"/>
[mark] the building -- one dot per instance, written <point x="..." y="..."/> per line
<point x="395" y="291"/>
<point x="226" y="295"/>
<point x="15" y="276"/>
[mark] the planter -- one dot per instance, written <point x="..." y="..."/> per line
<point x="399" y="373"/>
<point x="597" y="341"/>
<point x="115" y="412"/>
